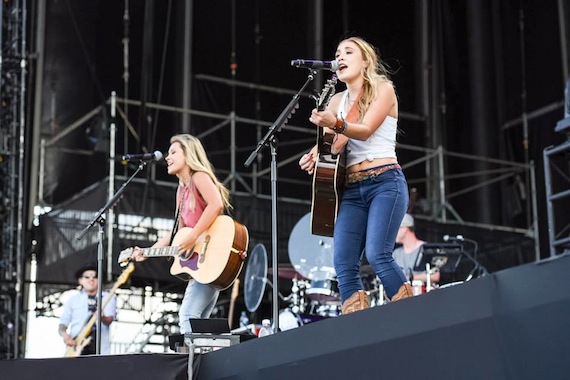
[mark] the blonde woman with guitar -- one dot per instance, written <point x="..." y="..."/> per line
<point x="363" y="119"/>
<point x="208" y="247"/>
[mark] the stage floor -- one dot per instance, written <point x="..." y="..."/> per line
<point x="512" y="324"/>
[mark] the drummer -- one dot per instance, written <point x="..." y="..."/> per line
<point x="405" y="255"/>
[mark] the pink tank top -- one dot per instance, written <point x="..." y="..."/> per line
<point x="190" y="217"/>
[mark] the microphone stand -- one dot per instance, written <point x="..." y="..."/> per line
<point x="100" y="220"/>
<point x="271" y="140"/>
<point x="478" y="267"/>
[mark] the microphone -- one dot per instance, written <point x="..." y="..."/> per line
<point x="453" y="238"/>
<point x="317" y="65"/>
<point x="156" y="156"/>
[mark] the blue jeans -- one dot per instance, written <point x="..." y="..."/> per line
<point x="198" y="302"/>
<point x="368" y="219"/>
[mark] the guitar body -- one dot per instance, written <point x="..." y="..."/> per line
<point x="75" y="351"/>
<point x="328" y="185"/>
<point x="328" y="176"/>
<point x="218" y="254"/>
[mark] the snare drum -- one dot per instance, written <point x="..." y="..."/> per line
<point x="323" y="291"/>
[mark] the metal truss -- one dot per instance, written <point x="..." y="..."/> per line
<point x="13" y="75"/>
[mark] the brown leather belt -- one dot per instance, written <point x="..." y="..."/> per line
<point x="370" y="173"/>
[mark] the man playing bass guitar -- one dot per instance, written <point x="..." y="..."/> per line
<point x="79" y="309"/>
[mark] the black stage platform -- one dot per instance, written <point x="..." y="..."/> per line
<point x="514" y="324"/>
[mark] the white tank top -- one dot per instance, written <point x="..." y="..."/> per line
<point x="382" y="144"/>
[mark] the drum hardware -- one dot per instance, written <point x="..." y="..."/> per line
<point x="327" y="310"/>
<point x="376" y="294"/>
<point x="297" y="295"/>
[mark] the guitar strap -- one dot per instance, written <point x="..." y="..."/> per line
<point x="176" y="224"/>
<point x="352" y="117"/>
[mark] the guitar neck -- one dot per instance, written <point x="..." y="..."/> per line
<point x="160" y="252"/>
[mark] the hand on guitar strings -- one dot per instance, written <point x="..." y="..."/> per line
<point x="68" y="340"/>
<point x="186" y="246"/>
<point x="307" y="161"/>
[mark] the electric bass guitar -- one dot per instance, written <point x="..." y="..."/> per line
<point x="329" y="174"/>
<point x="83" y="338"/>
<point x="216" y="259"/>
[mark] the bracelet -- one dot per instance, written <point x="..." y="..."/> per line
<point x="340" y="126"/>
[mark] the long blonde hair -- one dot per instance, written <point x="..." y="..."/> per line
<point x="375" y="71"/>
<point x="197" y="160"/>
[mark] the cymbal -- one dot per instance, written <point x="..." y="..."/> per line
<point x="286" y="271"/>
<point x="311" y="255"/>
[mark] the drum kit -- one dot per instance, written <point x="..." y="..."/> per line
<point x="314" y="290"/>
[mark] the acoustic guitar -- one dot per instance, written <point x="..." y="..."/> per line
<point x="216" y="259"/>
<point x="83" y="339"/>
<point x="329" y="173"/>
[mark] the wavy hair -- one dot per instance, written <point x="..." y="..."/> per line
<point x="197" y="160"/>
<point x="375" y="71"/>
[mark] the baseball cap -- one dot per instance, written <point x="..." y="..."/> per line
<point x="408" y="221"/>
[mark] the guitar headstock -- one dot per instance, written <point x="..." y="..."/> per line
<point x="326" y="93"/>
<point x="125" y="275"/>
<point x="125" y="256"/>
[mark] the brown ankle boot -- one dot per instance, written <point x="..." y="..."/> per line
<point x="357" y="301"/>
<point x="405" y="291"/>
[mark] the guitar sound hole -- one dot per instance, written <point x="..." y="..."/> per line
<point x="193" y="256"/>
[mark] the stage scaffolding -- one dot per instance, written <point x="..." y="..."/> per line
<point x="425" y="168"/>
<point x="13" y="71"/>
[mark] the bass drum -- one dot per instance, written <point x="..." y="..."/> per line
<point x="323" y="291"/>
<point x="289" y="320"/>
